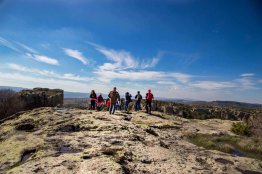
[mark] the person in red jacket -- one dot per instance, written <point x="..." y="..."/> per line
<point x="149" y="98"/>
<point x="108" y="104"/>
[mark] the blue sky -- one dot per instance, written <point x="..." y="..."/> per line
<point x="196" y="49"/>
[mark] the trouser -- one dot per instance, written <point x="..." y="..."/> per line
<point x="99" y="106"/>
<point x="112" y="108"/>
<point x="93" y="104"/>
<point x="126" y="106"/>
<point x="148" y="106"/>
<point x="138" y="105"/>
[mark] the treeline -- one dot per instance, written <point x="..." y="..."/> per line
<point x="10" y="103"/>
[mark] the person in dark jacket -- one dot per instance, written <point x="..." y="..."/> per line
<point x="100" y="101"/>
<point x="149" y="98"/>
<point x="93" y="100"/>
<point x="128" y="100"/>
<point x="138" y="98"/>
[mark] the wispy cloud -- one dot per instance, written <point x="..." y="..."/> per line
<point x="27" y="48"/>
<point x="150" y="64"/>
<point x="131" y="75"/>
<point x="213" y="85"/>
<point x="76" y="77"/>
<point x="8" y="44"/>
<point x="247" y="75"/>
<point x="184" y="78"/>
<point x="122" y="59"/>
<point x="44" y="59"/>
<point x="76" y="54"/>
<point x="30" y="70"/>
<point x="28" y="51"/>
<point x="23" y="80"/>
<point x="166" y="83"/>
<point x="51" y="74"/>
<point x="246" y="83"/>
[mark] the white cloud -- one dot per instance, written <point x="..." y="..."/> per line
<point x="47" y="73"/>
<point x="247" y="75"/>
<point x="123" y="59"/>
<point x="260" y="81"/>
<point x="131" y="75"/>
<point x="17" y="46"/>
<point x="246" y="83"/>
<point x="30" y="70"/>
<point x="76" y="54"/>
<point x="46" y="59"/>
<point x="166" y="83"/>
<point x="22" y="80"/>
<point x="213" y="85"/>
<point x="76" y="77"/>
<point x="184" y="78"/>
<point x="150" y="64"/>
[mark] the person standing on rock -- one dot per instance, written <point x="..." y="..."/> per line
<point x="93" y="100"/>
<point x="114" y="97"/>
<point x="108" y="104"/>
<point x="128" y="100"/>
<point x="149" y="98"/>
<point x="138" y="98"/>
<point x="100" y="101"/>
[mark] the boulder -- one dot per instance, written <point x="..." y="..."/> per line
<point x="42" y="97"/>
<point x="256" y="125"/>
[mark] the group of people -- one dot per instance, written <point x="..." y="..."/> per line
<point x="113" y="101"/>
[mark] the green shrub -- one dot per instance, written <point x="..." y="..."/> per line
<point x="241" y="128"/>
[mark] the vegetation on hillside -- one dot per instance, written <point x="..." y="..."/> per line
<point x="235" y="145"/>
<point x="10" y="103"/>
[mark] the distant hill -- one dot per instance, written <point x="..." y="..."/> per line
<point x="12" y="88"/>
<point x="75" y="95"/>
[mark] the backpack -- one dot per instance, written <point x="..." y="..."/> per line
<point x="149" y="96"/>
<point x="139" y="97"/>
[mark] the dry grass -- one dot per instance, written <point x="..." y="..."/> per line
<point x="248" y="146"/>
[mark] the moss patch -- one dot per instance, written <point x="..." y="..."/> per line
<point x="236" y="145"/>
<point x="11" y="150"/>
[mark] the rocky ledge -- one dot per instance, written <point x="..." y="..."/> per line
<point x="42" y="97"/>
<point x="55" y="140"/>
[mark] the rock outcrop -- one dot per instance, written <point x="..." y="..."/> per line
<point x="42" y="97"/>
<point x="256" y="125"/>
<point x="59" y="140"/>
<point x="204" y="111"/>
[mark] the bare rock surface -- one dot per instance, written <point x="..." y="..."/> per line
<point x="52" y="140"/>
